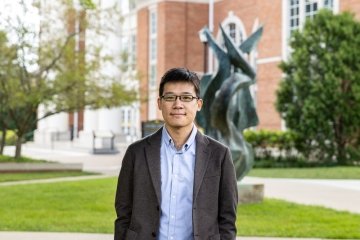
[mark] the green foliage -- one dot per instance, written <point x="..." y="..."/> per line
<point x="87" y="4"/>
<point x="319" y="97"/>
<point x="275" y="149"/>
<point x="47" y="66"/>
<point x="10" y="138"/>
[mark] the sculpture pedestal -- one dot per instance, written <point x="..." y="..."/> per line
<point x="250" y="192"/>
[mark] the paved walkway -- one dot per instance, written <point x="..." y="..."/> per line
<point x="88" y="236"/>
<point x="343" y="195"/>
<point x="336" y="194"/>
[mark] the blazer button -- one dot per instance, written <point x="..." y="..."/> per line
<point x="153" y="234"/>
<point x="157" y="208"/>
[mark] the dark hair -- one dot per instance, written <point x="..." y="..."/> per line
<point x="180" y="75"/>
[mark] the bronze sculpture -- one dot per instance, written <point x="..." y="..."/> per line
<point x="229" y="107"/>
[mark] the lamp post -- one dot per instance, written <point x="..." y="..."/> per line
<point x="203" y="39"/>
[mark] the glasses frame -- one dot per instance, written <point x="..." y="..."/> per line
<point x="180" y="97"/>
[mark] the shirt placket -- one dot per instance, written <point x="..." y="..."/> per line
<point x="173" y="195"/>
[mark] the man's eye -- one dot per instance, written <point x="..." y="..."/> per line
<point x="170" y="98"/>
<point x="186" y="98"/>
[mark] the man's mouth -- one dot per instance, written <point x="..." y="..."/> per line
<point x="178" y="114"/>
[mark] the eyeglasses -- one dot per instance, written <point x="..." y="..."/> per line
<point x="183" y="98"/>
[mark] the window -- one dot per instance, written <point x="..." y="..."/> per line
<point x="153" y="22"/>
<point x="301" y="10"/>
<point x="311" y="8"/>
<point x="152" y="80"/>
<point x="235" y="33"/>
<point x="132" y="4"/>
<point x="232" y="31"/>
<point x="133" y="51"/>
<point x="152" y="48"/>
<point x="294" y="15"/>
<point x="329" y="4"/>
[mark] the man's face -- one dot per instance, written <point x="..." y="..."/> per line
<point x="179" y="114"/>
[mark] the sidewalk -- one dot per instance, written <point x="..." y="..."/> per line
<point x="108" y="164"/>
<point x="88" y="236"/>
<point x="343" y="195"/>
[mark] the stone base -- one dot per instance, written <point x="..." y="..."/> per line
<point x="250" y="192"/>
<point x="39" y="167"/>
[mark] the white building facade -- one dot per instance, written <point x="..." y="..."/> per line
<point x="122" y="122"/>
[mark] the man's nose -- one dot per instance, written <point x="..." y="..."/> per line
<point x="177" y="102"/>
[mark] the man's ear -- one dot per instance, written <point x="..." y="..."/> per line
<point x="159" y="103"/>
<point x="199" y="103"/>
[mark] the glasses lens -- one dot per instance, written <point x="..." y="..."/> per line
<point x="186" y="98"/>
<point x="169" y="98"/>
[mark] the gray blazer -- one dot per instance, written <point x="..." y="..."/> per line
<point x="138" y="194"/>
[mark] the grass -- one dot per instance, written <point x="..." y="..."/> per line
<point x="88" y="206"/>
<point x="9" y="159"/>
<point x="79" y="206"/>
<point x="310" y="173"/>
<point x="7" y="177"/>
<point x="279" y="218"/>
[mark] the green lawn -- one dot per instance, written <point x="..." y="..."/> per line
<point x="310" y="173"/>
<point x="284" y="219"/>
<point x="88" y="206"/>
<point x="7" y="177"/>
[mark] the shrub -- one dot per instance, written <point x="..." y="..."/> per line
<point x="275" y="149"/>
<point x="10" y="137"/>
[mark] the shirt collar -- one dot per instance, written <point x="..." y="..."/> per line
<point x="169" y="142"/>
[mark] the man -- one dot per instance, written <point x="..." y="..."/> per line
<point x="177" y="184"/>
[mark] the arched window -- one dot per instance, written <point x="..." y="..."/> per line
<point x="234" y="27"/>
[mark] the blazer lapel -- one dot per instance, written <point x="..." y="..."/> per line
<point x="201" y="162"/>
<point x="152" y="154"/>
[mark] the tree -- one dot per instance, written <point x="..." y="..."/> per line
<point x="319" y="97"/>
<point x="7" y="59"/>
<point x="50" y="67"/>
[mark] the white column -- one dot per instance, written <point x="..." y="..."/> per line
<point x="52" y="128"/>
<point x="91" y="122"/>
<point x="109" y="120"/>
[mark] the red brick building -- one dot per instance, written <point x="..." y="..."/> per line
<point x="168" y="36"/>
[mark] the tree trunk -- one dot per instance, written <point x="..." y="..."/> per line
<point x="340" y="140"/>
<point x="3" y="140"/>
<point x="18" y="146"/>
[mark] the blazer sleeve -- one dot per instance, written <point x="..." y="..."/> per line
<point x="228" y="199"/>
<point x="123" y="198"/>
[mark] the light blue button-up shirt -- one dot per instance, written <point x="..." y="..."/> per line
<point x="177" y="180"/>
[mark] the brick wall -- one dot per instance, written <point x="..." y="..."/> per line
<point x="143" y="59"/>
<point x="352" y="6"/>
